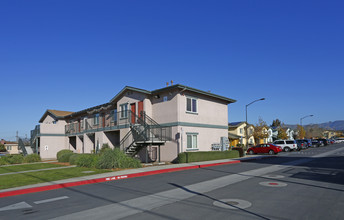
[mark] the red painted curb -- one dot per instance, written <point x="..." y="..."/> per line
<point x="100" y="180"/>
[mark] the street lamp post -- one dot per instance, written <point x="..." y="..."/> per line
<point x="246" y="119"/>
<point x="303" y="118"/>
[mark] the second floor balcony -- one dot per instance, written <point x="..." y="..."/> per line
<point x="101" y="122"/>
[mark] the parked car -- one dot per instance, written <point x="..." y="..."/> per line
<point x="264" y="149"/>
<point x="301" y="144"/>
<point x="309" y="142"/>
<point x="286" y="145"/>
<point x="315" y="143"/>
<point x="323" y="141"/>
<point x="340" y="140"/>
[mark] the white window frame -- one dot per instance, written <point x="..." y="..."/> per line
<point x="192" y="110"/>
<point x="194" y="141"/>
<point x="124" y="110"/>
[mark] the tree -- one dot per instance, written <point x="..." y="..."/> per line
<point x="282" y="133"/>
<point x="2" y="148"/>
<point x="260" y="131"/>
<point x="276" y="123"/>
<point x="301" y="132"/>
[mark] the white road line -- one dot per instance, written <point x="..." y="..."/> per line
<point x="20" y="205"/>
<point x="51" y="200"/>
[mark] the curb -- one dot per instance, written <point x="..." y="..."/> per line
<point x="119" y="177"/>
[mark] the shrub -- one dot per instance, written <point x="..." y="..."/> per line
<point x="31" y="158"/>
<point x="3" y="161"/>
<point x="13" y="159"/>
<point x="73" y="158"/>
<point x="63" y="155"/>
<point x="187" y="157"/>
<point x="115" y="158"/>
<point x="104" y="148"/>
<point x="87" y="160"/>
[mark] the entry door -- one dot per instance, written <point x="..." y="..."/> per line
<point x="140" y="108"/>
<point x="133" y="110"/>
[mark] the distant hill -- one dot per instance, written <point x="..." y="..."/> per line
<point x="335" y="125"/>
<point x="331" y="125"/>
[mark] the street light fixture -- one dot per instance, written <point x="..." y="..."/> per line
<point x="303" y="118"/>
<point x="246" y="118"/>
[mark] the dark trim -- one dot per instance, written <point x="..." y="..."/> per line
<point x="188" y="124"/>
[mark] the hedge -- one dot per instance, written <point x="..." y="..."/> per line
<point x="64" y="155"/>
<point x="32" y="158"/>
<point x="115" y="158"/>
<point x="87" y="160"/>
<point x="187" y="157"/>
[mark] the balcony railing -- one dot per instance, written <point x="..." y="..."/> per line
<point x="110" y="121"/>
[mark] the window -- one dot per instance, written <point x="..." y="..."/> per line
<point x="124" y="110"/>
<point x="241" y="131"/>
<point x="96" y="119"/>
<point x="191" y="141"/>
<point x="191" y="105"/>
<point x="9" y="147"/>
<point x="165" y="98"/>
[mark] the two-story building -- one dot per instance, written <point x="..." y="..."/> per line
<point x="152" y="125"/>
<point x="237" y="133"/>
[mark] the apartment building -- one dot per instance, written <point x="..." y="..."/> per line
<point x="151" y="125"/>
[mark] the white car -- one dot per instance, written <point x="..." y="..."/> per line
<point x="286" y="145"/>
<point x="339" y="140"/>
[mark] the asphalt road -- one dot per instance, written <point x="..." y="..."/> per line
<point x="295" y="185"/>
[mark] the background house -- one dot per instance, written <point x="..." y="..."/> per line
<point x="11" y="146"/>
<point x="236" y="133"/>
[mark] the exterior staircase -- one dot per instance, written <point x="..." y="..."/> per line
<point x="144" y="131"/>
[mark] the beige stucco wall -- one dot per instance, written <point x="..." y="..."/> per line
<point x="165" y="111"/>
<point x="48" y="127"/>
<point x="50" y="145"/>
<point x="209" y="111"/>
<point x="205" y="138"/>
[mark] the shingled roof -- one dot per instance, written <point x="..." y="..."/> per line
<point x="56" y="113"/>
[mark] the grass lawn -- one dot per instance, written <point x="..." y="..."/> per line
<point x="15" y="180"/>
<point x="25" y="167"/>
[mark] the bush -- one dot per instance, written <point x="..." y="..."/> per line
<point x="187" y="157"/>
<point x="104" y="148"/>
<point x="13" y="159"/>
<point x="240" y="150"/>
<point x="73" y="158"/>
<point x="3" y="161"/>
<point x="111" y="159"/>
<point x="31" y="158"/>
<point x="87" y="160"/>
<point x="63" y="155"/>
<point x="3" y="148"/>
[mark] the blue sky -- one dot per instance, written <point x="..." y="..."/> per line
<point x="71" y="55"/>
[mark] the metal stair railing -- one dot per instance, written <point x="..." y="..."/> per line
<point x="142" y="129"/>
<point x="21" y="145"/>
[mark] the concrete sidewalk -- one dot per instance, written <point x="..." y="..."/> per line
<point x="123" y="174"/>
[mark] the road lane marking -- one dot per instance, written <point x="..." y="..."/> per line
<point x="20" y="205"/>
<point x="51" y="200"/>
